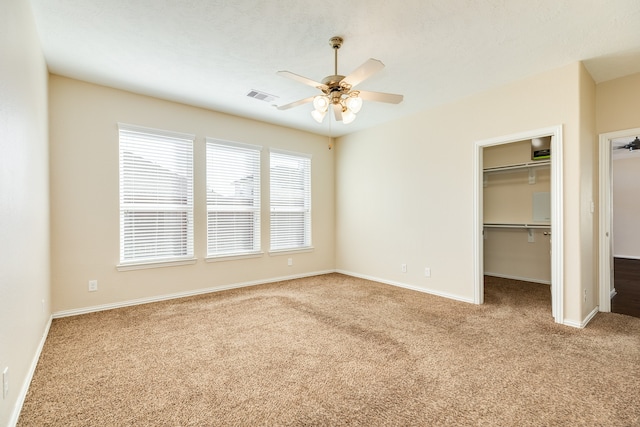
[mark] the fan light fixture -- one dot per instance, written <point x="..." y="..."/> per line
<point x="337" y="90"/>
<point x="349" y="105"/>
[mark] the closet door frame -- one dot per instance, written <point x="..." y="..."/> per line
<point x="557" y="235"/>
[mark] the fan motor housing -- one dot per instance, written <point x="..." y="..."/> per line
<point x="333" y="82"/>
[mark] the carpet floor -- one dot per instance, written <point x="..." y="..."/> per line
<point x="335" y="350"/>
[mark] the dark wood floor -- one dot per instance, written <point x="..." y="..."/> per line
<point x="627" y="284"/>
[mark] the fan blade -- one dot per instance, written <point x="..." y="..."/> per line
<point x="370" y="67"/>
<point x="296" y="103"/>
<point x="302" y="79"/>
<point x="390" y="98"/>
<point x="337" y="111"/>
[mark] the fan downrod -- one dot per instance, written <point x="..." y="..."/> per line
<point x="333" y="82"/>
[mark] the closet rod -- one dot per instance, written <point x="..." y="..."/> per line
<point x="541" y="226"/>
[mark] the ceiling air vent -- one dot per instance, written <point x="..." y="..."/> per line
<point x="262" y="96"/>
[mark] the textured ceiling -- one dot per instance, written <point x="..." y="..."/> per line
<point x="211" y="53"/>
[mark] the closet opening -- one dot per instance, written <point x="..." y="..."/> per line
<point x="518" y="212"/>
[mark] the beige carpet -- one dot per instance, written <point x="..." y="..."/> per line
<point x="335" y="350"/>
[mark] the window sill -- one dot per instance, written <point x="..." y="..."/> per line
<point x="154" y="264"/>
<point x="219" y="258"/>
<point x="279" y="252"/>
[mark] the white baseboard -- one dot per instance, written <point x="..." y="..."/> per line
<point x="524" y="279"/>
<point x="103" y="307"/>
<point x="405" y="286"/>
<point x="13" y="421"/>
<point x="584" y="322"/>
<point x="627" y="256"/>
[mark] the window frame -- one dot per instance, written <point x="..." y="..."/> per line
<point x="183" y="145"/>
<point x="255" y="209"/>
<point x="306" y="208"/>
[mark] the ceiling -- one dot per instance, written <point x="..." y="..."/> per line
<point x="211" y="53"/>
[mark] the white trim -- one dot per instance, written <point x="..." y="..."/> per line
<point x="218" y="141"/>
<point x="290" y="153"/>
<point x="557" y="224"/>
<point x="154" y="264"/>
<point x="234" y="257"/>
<point x="153" y="131"/>
<point x="405" y="286"/>
<point x="278" y="252"/>
<point x="523" y="279"/>
<point x="626" y="256"/>
<point x="478" y="224"/>
<point x="605" y="231"/>
<point x="585" y="321"/>
<point x="139" y="301"/>
<point x="13" y="420"/>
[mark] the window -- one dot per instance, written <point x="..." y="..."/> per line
<point x="290" y="200"/>
<point x="156" y="195"/>
<point x="233" y="198"/>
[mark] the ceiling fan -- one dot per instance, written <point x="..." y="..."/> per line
<point x="631" y="146"/>
<point x="337" y="90"/>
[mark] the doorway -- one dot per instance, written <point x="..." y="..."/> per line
<point x="556" y="229"/>
<point x="609" y="150"/>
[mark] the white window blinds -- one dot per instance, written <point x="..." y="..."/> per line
<point x="290" y="192"/>
<point x="156" y="195"/>
<point x="233" y="198"/>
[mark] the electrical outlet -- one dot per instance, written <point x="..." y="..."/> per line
<point x="93" y="285"/>
<point x="584" y="297"/>
<point x="5" y="382"/>
<point x="290" y="262"/>
<point x="427" y="272"/>
<point x="404" y="268"/>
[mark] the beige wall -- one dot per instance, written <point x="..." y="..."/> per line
<point x="617" y="104"/>
<point x="588" y="190"/>
<point x="626" y="207"/>
<point x="404" y="191"/>
<point x="508" y="253"/>
<point x="24" y="200"/>
<point x="84" y="197"/>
